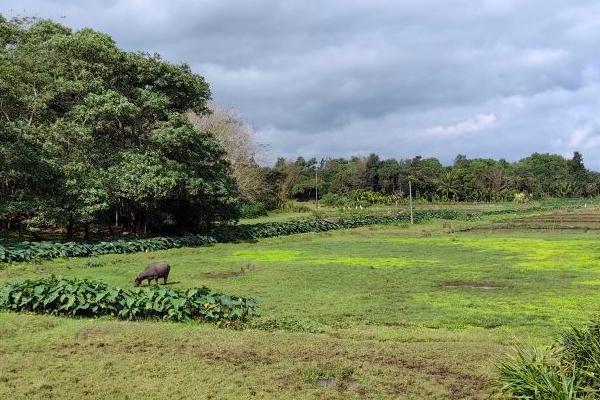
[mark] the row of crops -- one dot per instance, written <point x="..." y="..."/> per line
<point x="28" y="251"/>
<point x="85" y="298"/>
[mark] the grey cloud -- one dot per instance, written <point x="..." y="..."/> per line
<point x="340" y="77"/>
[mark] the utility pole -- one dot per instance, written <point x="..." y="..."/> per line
<point x="316" y="187"/>
<point x="410" y="201"/>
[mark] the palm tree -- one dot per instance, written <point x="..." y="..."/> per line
<point x="447" y="185"/>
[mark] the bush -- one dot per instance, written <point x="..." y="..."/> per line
<point x="358" y="198"/>
<point x="570" y="369"/>
<point x="334" y="200"/>
<point x="521" y="198"/>
<point x="85" y="298"/>
<point x="369" y="197"/>
<point x="253" y="210"/>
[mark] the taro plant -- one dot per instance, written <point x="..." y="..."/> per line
<point x="86" y="298"/>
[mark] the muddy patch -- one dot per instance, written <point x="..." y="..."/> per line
<point x="470" y="285"/>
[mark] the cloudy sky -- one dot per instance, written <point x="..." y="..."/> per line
<point x="488" y="78"/>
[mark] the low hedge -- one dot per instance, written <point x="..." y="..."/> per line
<point x="28" y="251"/>
<point x="86" y="298"/>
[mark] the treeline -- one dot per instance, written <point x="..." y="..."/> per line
<point x="96" y="138"/>
<point x="94" y="135"/>
<point x="477" y="179"/>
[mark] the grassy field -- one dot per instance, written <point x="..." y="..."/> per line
<point x="408" y="312"/>
<point x="309" y="209"/>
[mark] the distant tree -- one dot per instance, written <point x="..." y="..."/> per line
<point x="342" y="176"/>
<point x="544" y="175"/>
<point x="371" y="166"/>
<point x="388" y="176"/>
<point x="579" y="174"/>
<point x="477" y="179"/>
<point x="426" y="172"/>
<point x="243" y="152"/>
<point x="460" y="160"/>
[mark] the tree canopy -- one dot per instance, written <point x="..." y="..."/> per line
<point x="90" y="133"/>
<point x="477" y="179"/>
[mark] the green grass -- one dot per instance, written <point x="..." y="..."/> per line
<point x="389" y="312"/>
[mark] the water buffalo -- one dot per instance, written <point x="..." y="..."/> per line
<point x="154" y="270"/>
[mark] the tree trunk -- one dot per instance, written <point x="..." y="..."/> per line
<point x="70" y="226"/>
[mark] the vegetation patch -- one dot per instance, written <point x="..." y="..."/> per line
<point x="470" y="285"/>
<point x="85" y="298"/>
<point x="570" y="369"/>
<point x="28" y="251"/>
<point x="538" y="253"/>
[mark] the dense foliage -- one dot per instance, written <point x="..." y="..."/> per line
<point x="91" y="134"/>
<point x="345" y="181"/>
<point x="27" y="251"/>
<point x="359" y="198"/>
<point x="568" y="370"/>
<point x="84" y="298"/>
<point x="253" y="209"/>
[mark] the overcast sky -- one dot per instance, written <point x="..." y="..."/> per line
<point x="489" y="78"/>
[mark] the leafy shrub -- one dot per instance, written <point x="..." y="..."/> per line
<point x="27" y="251"/>
<point x="333" y="200"/>
<point x="521" y="198"/>
<point x="253" y="210"/>
<point x="367" y="196"/>
<point x="358" y="198"/>
<point x="85" y="298"/>
<point x="570" y="369"/>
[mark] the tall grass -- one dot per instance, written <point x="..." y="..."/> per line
<point x="568" y="370"/>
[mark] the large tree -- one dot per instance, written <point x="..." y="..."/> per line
<point x="108" y="130"/>
<point x="256" y="183"/>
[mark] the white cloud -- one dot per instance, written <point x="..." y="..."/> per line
<point x="477" y="123"/>
<point x="584" y="139"/>
<point x="578" y="137"/>
<point x="543" y="57"/>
